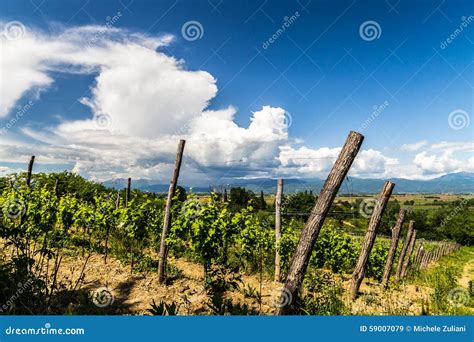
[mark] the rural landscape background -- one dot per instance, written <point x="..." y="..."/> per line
<point x="236" y="158"/>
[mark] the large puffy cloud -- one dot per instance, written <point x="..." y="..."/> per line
<point x="142" y="102"/>
<point x="445" y="157"/>
<point x="318" y="162"/>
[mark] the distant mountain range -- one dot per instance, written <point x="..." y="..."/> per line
<point x="462" y="182"/>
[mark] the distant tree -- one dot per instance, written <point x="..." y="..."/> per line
<point x="241" y="198"/>
<point x="298" y="204"/>
<point x="181" y="194"/>
<point x="262" y="204"/>
<point x="70" y="183"/>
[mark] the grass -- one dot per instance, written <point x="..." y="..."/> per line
<point x="447" y="279"/>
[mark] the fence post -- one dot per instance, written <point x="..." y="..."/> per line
<point x="30" y="170"/>
<point x="167" y="215"/>
<point x="404" y="250"/>
<point x="310" y="232"/>
<point x="393" y="247"/>
<point x="409" y="253"/>
<point x="117" y="201"/>
<point x="369" y="239"/>
<point x="278" y="197"/>
<point x="416" y="259"/>
<point x="127" y="193"/>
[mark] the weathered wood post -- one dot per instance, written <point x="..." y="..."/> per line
<point x="416" y="259"/>
<point x="278" y="197"/>
<point x="419" y="261"/>
<point x="167" y="215"/>
<point x="423" y="259"/>
<point x="225" y="196"/>
<point x="409" y="253"/>
<point x="117" y="201"/>
<point x="375" y="219"/>
<point x="30" y="170"/>
<point x="127" y="193"/>
<point x="310" y="232"/>
<point x="401" y="258"/>
<point x="393" y="247"/>
<point x="56" y="187"/>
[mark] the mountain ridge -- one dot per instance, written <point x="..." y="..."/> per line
<point x="461" y="182"/>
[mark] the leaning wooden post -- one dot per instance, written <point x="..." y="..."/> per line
<point x="279" y="194"/>
<point x="404" y="250"/>
<point x="393" y="247"/>
<point x="127" y="193"/>
<point x="409" y="253"/>
<point x="376" y="218"/>
<point x="167" y="216"/>
<point x="30" y="170"/>
<point x="310" y="232"/>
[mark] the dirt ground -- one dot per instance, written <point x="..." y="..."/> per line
<point x="134" y="293"/>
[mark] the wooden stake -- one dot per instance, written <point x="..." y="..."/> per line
<point x="312" y="227"/>
<point x="30" y="170"/>
<point x="409" y="253"/>
<point x="369" y="239"/>
<point x="127" y="193"/>
<point x="278" y="228"/>
<point x="393" y="247"/>
<point x="117" y="201"/>
<point x="167" y="216"/>
<point x="56" y="187"/>
<point x="404" y="250"/>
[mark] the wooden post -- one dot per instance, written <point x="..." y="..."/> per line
<point x="416" y="258"/>
<point x="310" y="232"/>
<point x="404" y="250"/>
<point x="117" y="201"/>
<point x="225" y="196"/>
<point x="167" y="216"/>
<point x="30" y="170"/>
<point x="393" y="247"/>
<point x="419" y="260"/>
<point x="56" y="187"/>
<point x="376" y="218"/>
<point x="409" y="253"/>
<point x="127" y="193"/>
<point x="279" y="194"/>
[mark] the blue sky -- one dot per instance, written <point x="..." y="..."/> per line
<point x="407" y="88"/>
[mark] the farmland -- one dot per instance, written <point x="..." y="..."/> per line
<point x="72" y="246"/>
